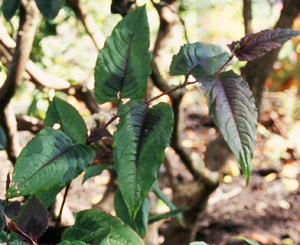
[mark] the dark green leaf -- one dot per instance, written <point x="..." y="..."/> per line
<point x="96" y="170"/>
<point x="50" y="160"/>
<point x="49" y="8"/>
<point x="2" y="139"/>
<point x="33" y="218"/>
<point x="247" y="240"/>
<point x="68" y="118"/>
<point x="201" y="60"/>
<point x="9" y="8"/>
<point x="141" y="220"/>
<point x="140" y="139"/>
<point x="123" y="65"/>
<point x="233" y="110"/>
<point x="95" y="227"/>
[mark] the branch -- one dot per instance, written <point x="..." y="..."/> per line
<point x="42" y="79"/>
<point x="25" y="36"/>
<point x="247" y="15"/>
<point x="88" y="22"/>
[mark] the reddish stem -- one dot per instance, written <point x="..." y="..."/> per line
<point x="170" y="91"/>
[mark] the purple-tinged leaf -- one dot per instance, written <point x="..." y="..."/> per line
<point x="233" y="110"/>
<point x="97" y="134"/>
<point x="33" y="219"/>
<point x="254" y="45"/>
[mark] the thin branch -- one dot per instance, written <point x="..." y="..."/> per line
<point x="62" y="206"/>
<point x="247" y="15"/>
<point x="26" y="33"/>
<point x="88" y="22"/>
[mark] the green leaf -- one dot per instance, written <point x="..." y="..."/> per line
<point x="247" y="240"/>
<point x="96" y="227"/>
<point x="123" y="65"/>
<point x="68" y="118"/>
<point x="140" y="139"/>
<point x="95" y="170"/>
<point x="201" y="60"/>
<point x="3" y="141"/>
<point x="49" y="8"/>
<point x="233" y="110"/>
<point x="171" y="205"/>
<point x="174" y="213"/>
<point x="141" y="220"/>
<point x="50" y="160"/>
<point x="9" y="8"/>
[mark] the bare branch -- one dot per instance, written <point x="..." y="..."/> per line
<point x="247" y="15"/>
<point x="26" y="33"/>
<point x="88" y="22"/>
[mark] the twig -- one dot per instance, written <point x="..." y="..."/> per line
<point x="26" y="33"/>
<point x="62" y="206"/>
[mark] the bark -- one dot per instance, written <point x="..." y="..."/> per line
<point x="247" y="15"/>
<point x="88" y="22"/>
<point x="25" y="36"/>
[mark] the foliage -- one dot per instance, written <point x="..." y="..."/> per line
<point x="62" y="150"/>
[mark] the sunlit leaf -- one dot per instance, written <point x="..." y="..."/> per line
<point x="50" y="160"/>
<point x="140" y="139"/>
<point x="96" y="227"/>
<point x="67" y="119"/>
<point x="247" y="240"/>
<point x="254" y="45"/>
<point x="123" y="65"/>
<point x="201" y="60"/>
<point x="233" y="110"/>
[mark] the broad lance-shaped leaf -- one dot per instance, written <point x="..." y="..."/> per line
<point x="96" y="227"/>
<point x="9" y="8"/>
<point x="254" y="45"/>
<point x="140" y="139"/>
<point x="50" y="160"/>
<point x="68" y="118"/>
<point x="123" y="65"/>
<point x="201" y="60"/>
<point x="49" y="8"/>
<point x="233" y="110"/>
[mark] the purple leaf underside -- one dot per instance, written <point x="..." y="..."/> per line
<point x="254" y="45"/>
